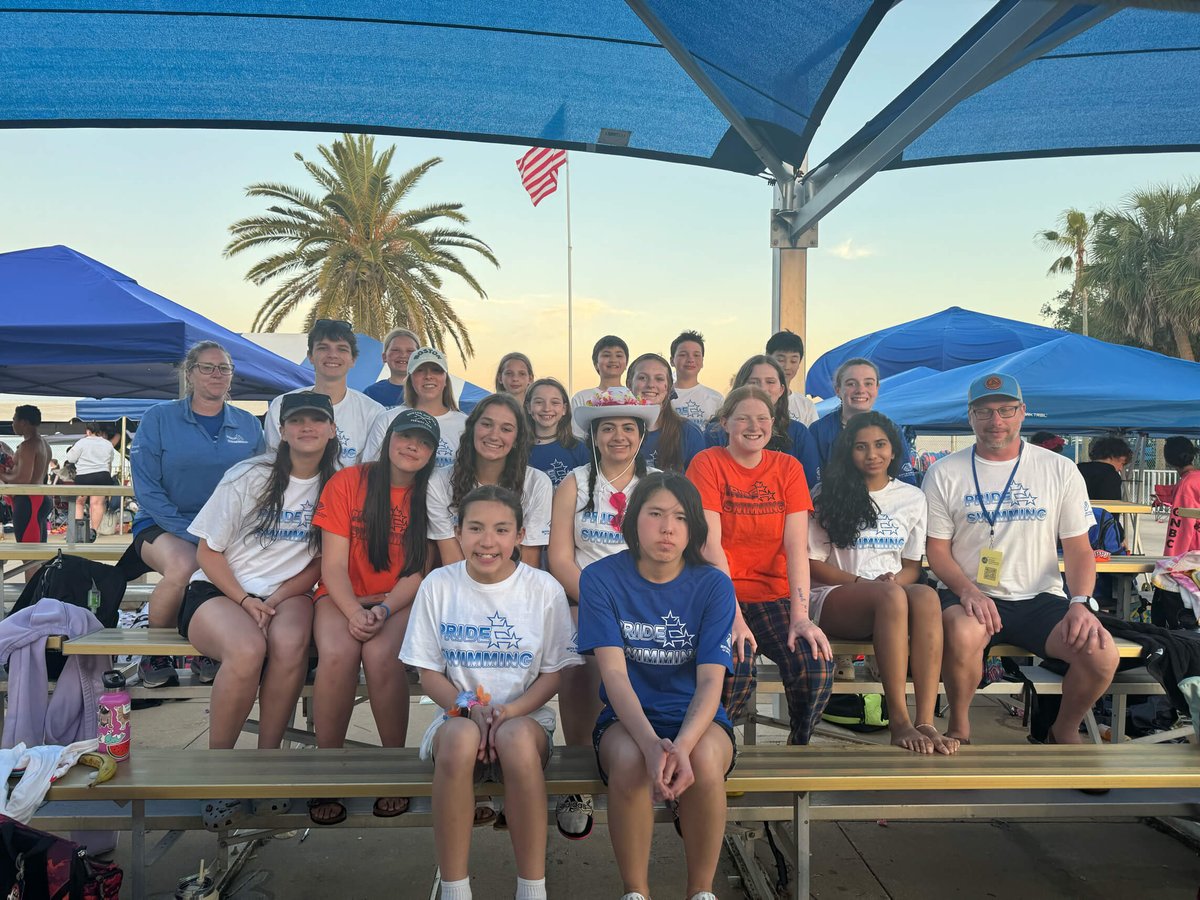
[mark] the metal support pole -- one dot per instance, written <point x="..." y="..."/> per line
<point x="800" y="822"/>
<point x="138" y="842"/>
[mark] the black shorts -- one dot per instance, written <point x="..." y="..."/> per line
<point x="670" y="734"/>
<point x="197" y="594"/>
<point x="1024" y="623"/>
<point x="94" y="478"/>
<point x="147" y="535"/>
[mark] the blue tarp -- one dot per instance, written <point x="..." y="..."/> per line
<point x="944" y="340"/>
<point x="109" y="410"/>
<point x="587" y="76"/>
<point x="1074" y="384"/>
<point x="73" y="327"/>
<point x="886" y="386"/>
<point x="1129" y="84"/>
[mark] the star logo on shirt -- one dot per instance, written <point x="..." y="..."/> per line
<point x="887" y="525"/>
<point x="691" y="411"/>
<point x="1021" y="495"/>
<point x="399" y="521"/>
<point x="306" y="512"/>
<point x="727" y="645"/>
<point x="573" y="646"/>
<point x="761" y="491"/>
<point x="503" y="636"/>
<point x="677" y="633"/>
<point x="558" y="471"/>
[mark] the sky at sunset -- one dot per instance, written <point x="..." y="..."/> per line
<point x="658" y="247"/>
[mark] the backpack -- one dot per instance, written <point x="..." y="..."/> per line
<point x="35" y="865"/>
<point x="1107" y="533"/>
<point x="857" y="712"/>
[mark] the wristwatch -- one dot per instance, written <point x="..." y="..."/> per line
<point x="1089" y="602"/>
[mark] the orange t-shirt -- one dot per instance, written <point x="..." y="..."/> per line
<point x="753" y="504"/>
<point x="340" y="512"/>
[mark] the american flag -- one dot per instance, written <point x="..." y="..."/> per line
<point x="539" y="172"/>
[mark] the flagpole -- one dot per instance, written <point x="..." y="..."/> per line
<point x="570" y="305"/>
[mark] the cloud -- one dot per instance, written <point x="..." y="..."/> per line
<point x="847" y="250"/>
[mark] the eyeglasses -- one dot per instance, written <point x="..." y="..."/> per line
<point x="210" y="368"/>
<point x="1004" y="412"/>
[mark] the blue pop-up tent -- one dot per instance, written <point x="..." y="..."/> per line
<point x="73" y="327"/>
<point x="1073" y="384"/>
<point x="944" y="340"/>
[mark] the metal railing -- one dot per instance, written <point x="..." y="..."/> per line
<point x="1140" y="486"/>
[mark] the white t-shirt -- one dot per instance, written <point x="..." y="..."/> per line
<point x="697" y="404"/>
<point x="496" y="636"/>
<point x="261" y="563"/>
<point x="595" y="536"/>
<point x="451" y="423"/>
<point x="801" y="409"/>
<point x="92" y="454"/>
<point x="352" y="417"/>
<point x="580" y="399"/>
<point x="536" y="499"/>
<point x="1047" y="501"/>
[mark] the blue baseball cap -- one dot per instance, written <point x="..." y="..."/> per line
<point x="996" y="384"/>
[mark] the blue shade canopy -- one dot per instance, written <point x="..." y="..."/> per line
<point x="73" y="327"/>
<point x="886" y="386"/>
<point x="109" y="410"/>
<point x="944" y="340"/>
<point x="1129" y="84"/>
<point x="1074" y="384"/>
<point x="566" y="74"/>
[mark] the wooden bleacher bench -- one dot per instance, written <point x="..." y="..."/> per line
<point x="778" y="783"/>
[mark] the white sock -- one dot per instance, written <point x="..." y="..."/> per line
<point x="456" y="890"/>
<point x="531" y="890"/>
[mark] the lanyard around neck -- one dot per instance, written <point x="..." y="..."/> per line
<point x="991" y="518"/>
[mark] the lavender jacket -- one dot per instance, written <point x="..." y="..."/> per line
<point x="35" y="716"/>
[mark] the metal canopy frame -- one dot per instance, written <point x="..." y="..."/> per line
<point x="1013" y="33"/>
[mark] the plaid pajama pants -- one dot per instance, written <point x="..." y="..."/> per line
<point x="807" y="680"/>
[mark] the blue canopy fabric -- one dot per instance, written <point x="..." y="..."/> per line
<point x="111" y="410"/>
<point x="886" y="386"/>
<point x="943" y="340"/>
<point x="587" y="76"/>
<point x="73" y="327"/>
<point x="1126" y="85"/>
<point x="1073" y="384"/>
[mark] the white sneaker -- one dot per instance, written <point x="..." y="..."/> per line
<point x="704" y="895"/>
<point x="633" y="895"/>
<point x="574" y="816"/>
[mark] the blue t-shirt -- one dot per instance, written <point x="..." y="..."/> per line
<point x="826" y="429"/>
<point x="386" y="393"/>
<point x="211" y="424"/>
<point x="666" y="631"/>
<point x="693" y="443"/>
<point x="804" y="447"/>
<point x="556" y="460"/>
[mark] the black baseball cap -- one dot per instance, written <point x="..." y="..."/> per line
<point x="305" y="401"/>
<point x="416" y="420"/>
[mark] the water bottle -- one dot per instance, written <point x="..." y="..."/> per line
<point x="113" y="729"/>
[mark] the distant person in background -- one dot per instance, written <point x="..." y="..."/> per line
<point x="610" y="356"/>
<point x="556" y="450"/>
<point x="672" y="440"/>
<point x="514" y="375"/>
<point x="30" y="463"/>
<point x="1049" y="440"/>
<point x="1108" y="458"/>
<point x="1183" y="535"/>
<point x="857" y="384"/>
<point x="94" y="458"/>
<point x="787" y="348"/>
<point x="693" y="401"/>
<point x="332" y="350"/>
<point x="52" y="472"/>
<point x="430" y="390"/>
<point x="180" y="452"/>
<point x="398" y="345"/>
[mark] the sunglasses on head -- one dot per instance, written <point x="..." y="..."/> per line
<point x="330" y="323"/>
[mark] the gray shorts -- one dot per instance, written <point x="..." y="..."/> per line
<point x="490" y="772"/>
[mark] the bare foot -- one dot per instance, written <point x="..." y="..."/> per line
<point x="908" y="738"/>
<point x="943" y="744"/>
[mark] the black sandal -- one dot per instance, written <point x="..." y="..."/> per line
<point x="337" y="819"/>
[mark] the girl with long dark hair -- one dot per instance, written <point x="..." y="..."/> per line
<point x="672" y="440"/>
<point x="556" y="450"/>
<point x="787" y="435"/>
<point x="494" y="450"/>
<point x="251" y="602"/>
<point x="375" y="552"/>
<point x="865" y="547"/>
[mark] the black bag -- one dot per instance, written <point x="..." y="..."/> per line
<point x="857" y="712"/>
<point x="35" y="865"/>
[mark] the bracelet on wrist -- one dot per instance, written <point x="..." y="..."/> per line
<point x="467" y="701"/>
<point x="387" y="613"/>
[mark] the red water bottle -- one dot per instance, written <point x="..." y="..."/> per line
<point x="113" y="726"/>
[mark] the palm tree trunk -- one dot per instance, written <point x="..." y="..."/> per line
<point x="1183" y="341"/>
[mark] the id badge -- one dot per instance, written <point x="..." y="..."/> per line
<point x="990" y="562"/>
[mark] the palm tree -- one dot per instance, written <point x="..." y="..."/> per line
<point x="1146" y="255"/>
<point x="356" y="251"/>
<point x="1074" y="229"/>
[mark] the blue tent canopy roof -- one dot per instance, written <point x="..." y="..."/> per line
<point x="74" y="327"/>
<point x="944" y="340"/>
<point x="1073" y="384"/>
<point x="575" y="75"/>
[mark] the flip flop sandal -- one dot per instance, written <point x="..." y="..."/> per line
<point x="272" y="807"/>
<point x="336" y="819"/>
<point x="484" y="815"/>
<point x="383" y="812"/>
<point x="221" y="815"/>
